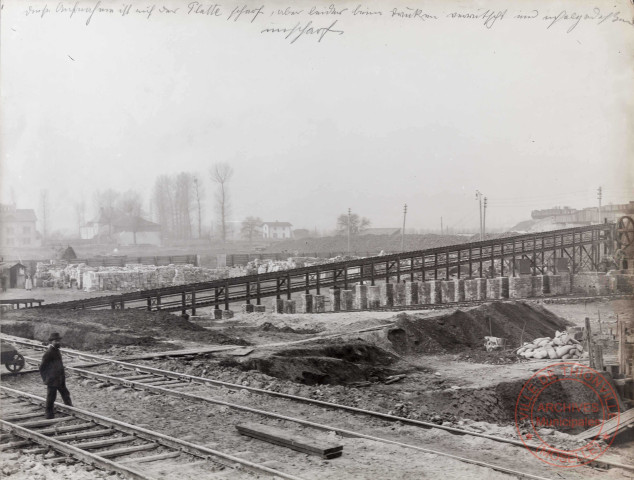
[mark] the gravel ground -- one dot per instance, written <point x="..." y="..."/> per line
<point x="442" y="388"/>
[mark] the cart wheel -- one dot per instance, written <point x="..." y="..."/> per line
<point x="15" y="364"/>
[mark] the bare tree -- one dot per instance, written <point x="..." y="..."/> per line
<point x="183" y="203"/>
<point x="199" y="192"/>
<point x="130" y="204"/>
<point x="44" y="209"/>
<point x="106" y="203"/>
<point x="221" y="173"/>
<point x="163" y="205"/>
<point x="250" y="227"/>
<point x="357" y="224"/>
<point x="80" y="214"/>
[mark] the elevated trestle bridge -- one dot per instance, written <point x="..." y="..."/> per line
<point x="582" y="247"/>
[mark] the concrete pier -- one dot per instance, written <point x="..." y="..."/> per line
<point x="374" y="296"/>
<point x="346" y="300"/>
<point x="290" y="306"/>
<point x="319" y="303"/>
<point x="361" y="296"/>
<point x="459" y="290"/>
<point x="448" y="289"/>
<point x="306" y="305"/>
<point x="520" y="287"/>
<point x="278" y="305"/>
<point x="399" y="293"/>
<point x="335" y="299"/>
<point x="387" y="294"/>
<point x="435" y="291"/>
<point x="411" y="293"/>
<point x="471" y="289"/>
<point x="481" y="288"/>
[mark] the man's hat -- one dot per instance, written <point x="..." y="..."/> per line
<point x="54" y="336"/>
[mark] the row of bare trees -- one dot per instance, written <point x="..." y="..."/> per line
<point x="176" y="204"/>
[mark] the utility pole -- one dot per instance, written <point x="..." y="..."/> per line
<point x="479" y="198"/>
<point x="403" y="232"/>
<point x="599" y="194"/>
<point x="484" y="219"/>
<point x="349" y="216"/>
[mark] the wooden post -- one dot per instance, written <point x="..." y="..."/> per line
<point x="598" y="358"/>
<point x="622" y="347"/>
<point x="193" y="302"/>
<point x="589" y="344"/>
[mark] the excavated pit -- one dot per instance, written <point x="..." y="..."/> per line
<point x="377" y="354"/>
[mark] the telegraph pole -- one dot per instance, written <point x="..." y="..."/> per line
<point x="484" y="218"/>
<point x="403" y="232"/>
<point x="599" y="194"/>
<point x="349" y="216"/>
<point x="479" y="198"/>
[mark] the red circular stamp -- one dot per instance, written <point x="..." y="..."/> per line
<point x="568" y="397"/>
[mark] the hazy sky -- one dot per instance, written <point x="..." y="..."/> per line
<point x="394" y="110"/>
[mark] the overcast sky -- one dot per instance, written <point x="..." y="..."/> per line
<point x="392" y="111"/>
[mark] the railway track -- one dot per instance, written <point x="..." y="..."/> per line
<point x="197" y="389"/>
<point x="111" y="445"/>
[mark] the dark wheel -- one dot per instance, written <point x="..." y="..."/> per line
<point x="625" y="232"/>
<point x="15" y="364"/>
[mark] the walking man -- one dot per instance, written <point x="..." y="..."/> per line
<point x="52" y="372"/>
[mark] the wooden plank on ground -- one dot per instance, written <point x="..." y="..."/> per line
<point x="611" y="426"/>
<point x="181" y="353"/>
<point x="241" y="352"/>
<point x="290" y="440"/>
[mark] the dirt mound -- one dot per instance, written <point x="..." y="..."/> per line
<point x="96" y="329"/>
<point x="323" y="363"/>
<point x="463" y="330"/>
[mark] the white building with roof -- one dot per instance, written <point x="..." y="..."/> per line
<point x="277" y="230"/>
<point x="17" y="227"/>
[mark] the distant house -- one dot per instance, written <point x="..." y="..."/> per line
<point x="17" y="227"/>
<point x="381" y="231"/>
<point x="123" y="229"/>
<point x="277" y="230"/>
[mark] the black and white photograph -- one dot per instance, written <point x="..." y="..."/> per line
<point x="316" y="240"/>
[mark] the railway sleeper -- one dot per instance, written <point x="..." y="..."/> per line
<point x="126" y="451"/>
<point x="104" y="443"/>
<point x="151" y="458"/>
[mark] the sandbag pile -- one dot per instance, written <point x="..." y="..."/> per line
<point x="563" y="346"/>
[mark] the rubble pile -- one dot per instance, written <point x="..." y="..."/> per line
<point x="563" y="346"/>
<point x="265" y="266"/>
<point x="59" y="275"/>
